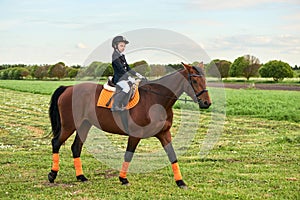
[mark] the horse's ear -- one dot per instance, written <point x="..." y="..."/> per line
<point x="201" y="64"/>
<point x="186" y="66"/>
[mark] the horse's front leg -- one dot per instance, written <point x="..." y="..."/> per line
<point x="131" y="146"/>
<point x="165" y="139"/>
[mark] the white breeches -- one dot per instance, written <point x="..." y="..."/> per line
<point x="124" y="84"/>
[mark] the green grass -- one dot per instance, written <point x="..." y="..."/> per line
<point x="269" y="104"/>
<point x="254" y="158"/>
<point x="274" y="105"/>
<point x="35" y="87"/>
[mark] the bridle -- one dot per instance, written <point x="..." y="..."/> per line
<point x="190" y="81"/>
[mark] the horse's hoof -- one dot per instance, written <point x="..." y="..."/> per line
<point x="81" y="178"/>
<point x="181" y="184"/>
<point x="52" y="176"/>
<point x="124" y="181"/>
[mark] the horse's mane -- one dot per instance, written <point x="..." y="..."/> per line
<point x="156" y="81"/>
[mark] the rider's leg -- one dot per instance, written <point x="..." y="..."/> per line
<point x="121" y="96"/>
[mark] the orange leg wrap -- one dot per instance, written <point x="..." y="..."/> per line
<point x="176" y="171"/>
<point x="124" y="169"/>
<point x="78" y="166"/>
<point x="55" y="164"/>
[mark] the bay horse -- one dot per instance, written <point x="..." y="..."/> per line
<point x="74" y="108"/>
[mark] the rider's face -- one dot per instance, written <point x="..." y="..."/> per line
<point x="121" y="46"/>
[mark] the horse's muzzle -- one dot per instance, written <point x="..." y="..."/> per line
<point x="204" y="104"/>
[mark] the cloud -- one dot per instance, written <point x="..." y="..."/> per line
<point x="6" y="25"/>
<point x="233" y="4"/>
<point x="292" y="23"/>
<point x="81" y="46"/>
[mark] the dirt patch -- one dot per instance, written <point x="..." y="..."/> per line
<point x="110" y="173"/>
<point x="35" y="130"/>
<point x="259" y="86"/>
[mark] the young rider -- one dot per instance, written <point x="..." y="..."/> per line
<point x="122" y="74"/>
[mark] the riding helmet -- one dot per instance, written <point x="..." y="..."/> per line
<point x="118" y="39"/>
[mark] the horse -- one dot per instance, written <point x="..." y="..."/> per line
<point x="74" y="109"/>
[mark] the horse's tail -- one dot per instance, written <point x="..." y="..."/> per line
<point x="54" y="112"/>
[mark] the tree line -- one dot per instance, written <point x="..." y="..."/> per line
<point x="244" y="66"/>
<point x="95" y="70"/>
<point x="249" y="66"/>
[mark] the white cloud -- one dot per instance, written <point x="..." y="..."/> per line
<point x="292" y="23"/>
<point x="6" y="25"/>
<point x="81" y="46"/>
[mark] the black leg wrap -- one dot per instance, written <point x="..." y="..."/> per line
<point x="181" y="184"/>
<point x="124" y="181"/>
<point x="52" y="176"/>
<point x="81" y="178"/>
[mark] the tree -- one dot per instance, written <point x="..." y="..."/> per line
<point x="11" y="72"/>
<point x="278" y="70"/>
<point x="91" y="69"/>
<point x="219" y="68"/>
<point x="246" y="66"/>
<point x="253" y="67"/>
<point x="4" y="74"/>
<point x="24" y="72"/>
<point x="157" y="70"/>
<point x="104" y="70"/>
<point x="58" y="70"/>
<point x="176" y="67"/>
<point x="141" y="67"/>
<point x="19" y="73"/>
<point x="39" y="72"/>
<point x="72" y="72"/>
<point x="76" y="66"/>
<point x="14" y="73"/>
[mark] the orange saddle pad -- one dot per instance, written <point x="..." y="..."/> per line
<point x="105" y="96"/>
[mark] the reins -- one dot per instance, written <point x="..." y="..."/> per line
<point x="168" y="97"/>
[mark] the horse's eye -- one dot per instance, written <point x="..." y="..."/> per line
<point x="194" y="82"/>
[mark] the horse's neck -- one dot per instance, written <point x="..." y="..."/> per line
<point x="169" y="86"/>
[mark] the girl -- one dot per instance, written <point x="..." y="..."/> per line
<point x="122" y="72"/>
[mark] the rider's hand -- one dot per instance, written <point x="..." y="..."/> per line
<point x="139" y="76"/>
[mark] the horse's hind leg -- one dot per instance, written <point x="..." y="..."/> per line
<point x="81" y="135"/>
<point x="131" y="146"/>
<point x="57" y="141"/>
<point x="55" y="159"/>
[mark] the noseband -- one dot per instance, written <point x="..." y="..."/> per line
<point x="190" y="80"/>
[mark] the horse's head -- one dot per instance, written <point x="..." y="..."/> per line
<point x="197" y="85"/>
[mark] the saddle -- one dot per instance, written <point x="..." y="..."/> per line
<point x="105" y="99"/>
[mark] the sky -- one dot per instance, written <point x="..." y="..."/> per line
<point x="50" y="31"/>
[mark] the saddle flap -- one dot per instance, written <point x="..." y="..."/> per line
<point x="106" y="95"/>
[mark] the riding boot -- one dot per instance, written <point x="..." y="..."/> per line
<point x="119" y="103"/>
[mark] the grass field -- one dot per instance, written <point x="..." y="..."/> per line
<point x="256" y="157"/>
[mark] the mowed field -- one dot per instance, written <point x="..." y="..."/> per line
<point x="257" y="156"/>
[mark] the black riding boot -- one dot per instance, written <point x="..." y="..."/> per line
<point x="119" y="103"/>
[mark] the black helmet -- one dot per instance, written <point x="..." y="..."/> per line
<point x="118" y="39"/>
